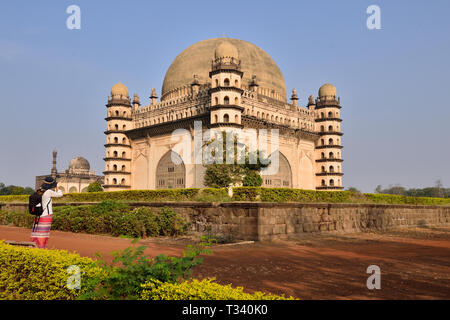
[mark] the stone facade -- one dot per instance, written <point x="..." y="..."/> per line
<point x="225" y="84"/>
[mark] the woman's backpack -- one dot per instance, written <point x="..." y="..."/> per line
<point x="33" y="201"/>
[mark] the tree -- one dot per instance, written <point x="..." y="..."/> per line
<point x="379" y="189"/>
<point x="224" y="175"/>
<point x="353" y="189"/>
<point x="95" y="187"/>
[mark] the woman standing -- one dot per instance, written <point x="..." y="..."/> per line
<point x="41" y="230"/>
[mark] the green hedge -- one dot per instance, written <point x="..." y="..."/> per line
<point x="200" y="290"/>
<point x="394" y="199"/>
<point x="107" y="217"/>
<point x="192" y="194"/>
<point x="239" y="194"/>
<point x="37" y="274"/>
<point x="299" y="195"/>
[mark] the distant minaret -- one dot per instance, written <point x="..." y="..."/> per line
<point x="54" y="172"/>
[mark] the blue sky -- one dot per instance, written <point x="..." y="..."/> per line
<point x="393" y="82"/>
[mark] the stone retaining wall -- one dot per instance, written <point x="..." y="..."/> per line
<point x="268" y="221"/>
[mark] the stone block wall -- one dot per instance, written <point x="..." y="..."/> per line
<point x="269" y="221"/>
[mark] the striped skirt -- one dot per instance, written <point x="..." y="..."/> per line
<point x="41" y="231"/>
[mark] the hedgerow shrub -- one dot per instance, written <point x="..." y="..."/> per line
<point x="17" y="219"/>
<point x="36" y="274"/>
<point x="395" y="199"/>
<point x="290" y="195"/>
<point x="200" y="290"/>
<point x="115" y="218"/>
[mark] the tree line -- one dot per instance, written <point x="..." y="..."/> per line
<point x="14" y="190"/>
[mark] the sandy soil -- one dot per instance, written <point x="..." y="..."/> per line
<point x="415" y="263"/>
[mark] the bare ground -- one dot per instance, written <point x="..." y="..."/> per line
<point x="414" y="263"/>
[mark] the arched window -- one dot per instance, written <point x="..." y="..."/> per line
<point x="322" y="128"/>
<point x="117" y="113"/>
<point x="330" y="128"/>
<point x="226" y="118"/>
<point x="331" y="155"/>
<point x="236" y="83"/>
<point x="216" y="100"/>
<point x="236" y="119"/>
<point x="322" y="115"/>
<point x="236" y="100"/>
<point x="114" y="181"/>
<point x="323" y="183"/>
<point x="322" y="155"/>
<point x="226" y="82"/>
<point x="323" y="169"/>
<point x="123" y="168"/>
<point x="216" y="118"/>
<point x="115" y="154"/>
<point x="331" y="183"/>
<point x="124" y="140"/>
<point x="116" y="140"/>
<point x="331" y="169"/>
<point x="115" y="167"/>
<point x="124" y="127"/>
<point x="226" y="100"/>
<point x="330" y="114"/>
<point x="124" y="114"/>
<point x="116" y="127"/>
<point x="124" y="154"/>
<point x="322" y="141"/>
<point x="122" y="182"/>
<point x="217" y="82"/>
<point x="330" y="141"/>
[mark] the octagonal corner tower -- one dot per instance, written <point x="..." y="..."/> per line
<point x="196" y="60"/>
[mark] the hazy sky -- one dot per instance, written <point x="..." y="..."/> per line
<point x="393" y="82"/>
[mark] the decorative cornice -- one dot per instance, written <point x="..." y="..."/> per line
<point x="337" y="133"/>
<point x="328" y="119"/>
<point x="230" y="88"/>
<point x="226" y="106"/>
<point x="118" y="118"/>
<point x="117" y="145"/>
<point x="116" y="172"/>
<point x="326" y="146"/>
<point x="329" y="160"/>
<point x="330" y="174"/>
<point x="116" y="159"/>
<point x="323" y="188"/>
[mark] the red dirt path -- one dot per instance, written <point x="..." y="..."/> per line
<point x="415" y="263"/>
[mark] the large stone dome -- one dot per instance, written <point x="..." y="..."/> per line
<point x="197" y="58"/>
<point x="79" y="164"/>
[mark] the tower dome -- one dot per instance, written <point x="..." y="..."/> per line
<point x="119" y="89"/>
<point x="327" y="91"/>
<point x="226" y="49"/>
<point x="79" y="164"/>
<point x="197" y="58"/>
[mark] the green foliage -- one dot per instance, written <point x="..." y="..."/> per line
<point x="131" y="268"/>
<point x="433" y="192"/>
<point x="232" y="171"/>
<point x="36" y="274"/>
<point x="115" y="218"/>
<point x="95" y="187"/>
<point x="205" y="289"/>
<point x="170" y="222"/>
<point x="14" y="190"/>
<point x="17" y="219"/>
<point x="252" y="179"/>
